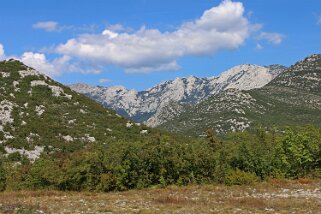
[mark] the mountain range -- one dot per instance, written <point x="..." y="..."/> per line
<point x="39" y="115"/>
<point x="167" y="98"/>
<point x="292" y="98"/>
<point x="243" y="97"/>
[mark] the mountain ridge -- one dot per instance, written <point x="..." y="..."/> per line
<point x="39" y="115"/>
<point x="144" y="106"/>
<point x="292" y="98"/>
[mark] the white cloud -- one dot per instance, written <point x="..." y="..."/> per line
<point x="104" y="81"/>
<point x="274" y="38"/>
<point x="118" y="28"/>
<point x="49" y="26"/>
<point x="146" y="50"/>
<point x="110" y="34"/>
<point x="57" y="66"/>
<point x="53" y="67"/>
<point x="40" y="63"/>
<point x="2" y="54"/>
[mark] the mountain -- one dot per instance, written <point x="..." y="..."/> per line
<point x="292" y="98"/>
<point x="161" y="102"/>
<point x="39" y="115"/>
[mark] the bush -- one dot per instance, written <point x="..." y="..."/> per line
<point x="238" y="177"/>
<point x="107" y="182"/>
<point x="123" y="165"/>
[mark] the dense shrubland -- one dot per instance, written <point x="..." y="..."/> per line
<point x="238" y="158"/>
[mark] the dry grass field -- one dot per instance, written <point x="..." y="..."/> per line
<point x="275" y="196"/>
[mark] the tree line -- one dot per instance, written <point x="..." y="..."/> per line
<point x="237" y="158"/>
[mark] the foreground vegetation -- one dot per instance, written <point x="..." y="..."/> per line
<point x="241" y="158"/>
<point x="274" y="196"/>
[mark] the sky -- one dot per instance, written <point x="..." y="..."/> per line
<point x="139" y="43"/>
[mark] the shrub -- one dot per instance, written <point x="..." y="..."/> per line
<point x="238" y="177"/>
<point x="107" y="182"/>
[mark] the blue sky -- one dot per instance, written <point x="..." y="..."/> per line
<point x="139" y="43"/>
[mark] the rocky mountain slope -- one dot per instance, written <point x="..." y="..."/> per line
<point x="292" y="98"/>
<point x="39" y="115"/>
<point x="162" y="102"/>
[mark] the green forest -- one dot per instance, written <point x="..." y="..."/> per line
<point x="232" y="159"/>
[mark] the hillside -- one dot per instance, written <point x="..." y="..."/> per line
<point x="292" y="98"/>
<point x="149" y="106"/>
<point x="39" y="115"/>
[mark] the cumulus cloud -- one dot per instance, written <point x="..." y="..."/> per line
<point x="274" y="38"/>
<point x="146" y="50"/>
<point x="57" y="66"/>
<point x="54" y="67"/>
<point x="49" y="26"/>
<point x="42" y="64"/>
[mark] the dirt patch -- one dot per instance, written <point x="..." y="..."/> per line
<point x="268" y="197"/>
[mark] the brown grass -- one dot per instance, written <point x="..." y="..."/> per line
<point x="305" y="181"/>
<point x="260" y="198"/>
<point x="246" y="202"/>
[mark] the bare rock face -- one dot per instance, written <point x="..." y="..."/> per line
<point x="292" y="98"/>
<point x="165" y="100"/>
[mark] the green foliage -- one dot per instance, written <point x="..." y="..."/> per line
<point x="238" y="177"/>
<point x="83" y="171"/>
<point x="242" y="159"/>
<point x="45" y="173"/>
<point x="17" y="176"/>
<point x="14" y="156"/>
<point x="299" y="153"/>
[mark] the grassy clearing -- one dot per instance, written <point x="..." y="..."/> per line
<point x="274" y="196"/>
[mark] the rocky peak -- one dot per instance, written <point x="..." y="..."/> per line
<point x="304" y="75"/>
<point x="312" y="62"/>
<point x="147" y="104"/>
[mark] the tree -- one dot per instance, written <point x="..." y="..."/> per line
<point x="213" y="141"/>
<point x="298" y="154"/>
